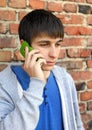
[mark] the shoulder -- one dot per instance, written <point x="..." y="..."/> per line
<point x="6" y="74"/>
<point x="9" y="84"/>
<point x="61" y="71"/>
<point x="5" y="71"/>
<point x="61" y="74"/>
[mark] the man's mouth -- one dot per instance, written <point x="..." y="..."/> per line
<point x="50" y="63"/>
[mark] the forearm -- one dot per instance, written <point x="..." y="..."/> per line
<point x="26" y="112"/>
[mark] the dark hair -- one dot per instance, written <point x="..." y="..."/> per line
<point x="39" y="22"/>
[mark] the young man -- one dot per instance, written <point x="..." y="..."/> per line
<point x="39" y="95"/>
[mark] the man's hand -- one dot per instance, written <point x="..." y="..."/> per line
<point x="33" y="64"/>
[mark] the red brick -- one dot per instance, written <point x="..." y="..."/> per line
<point x="89" y="84"/>
<point x="86" y="117"/>
<point x="89" y="104"/>
<point x="85" y="96"/>
<point x="89" y="20"/>
<point x="37" y="4"/>
<point x="7" y="15"/>
<point x="89" y="63"/>
<point x="17" y="3"/>
<point x="71" y="19"/>
<point x="84" y="53"/>
<point x="82" y="107"/>
<point x="3" y="28"/>
<point x="89" y="1"/>
<point x="8" y="42"/>
<point x="77" y="30"/>
<point x="14" y="28"/>
<point x="2" y="3"/>
<point x="62" y="53"/>
<point x="81" y="1"/>
<point x="53" y="6"/>
<point x="70" y="8"/>
<point x="85" y="30"/>
<point x="86" y="127"/>
<point x="70" y="30"/>
<point x="21" y="14"/>
<point x="74" y="53"/>
<point x="70" y="0"/>
<point x="81" y="75"/>
<point x="72" y="42"/>
<point x="77" y="19"/>
<point x="65" y="19"/>
<point x="71" y="64"/>
<point x="18" y="56"/>
<point x="5" y="56"/>
<point x="89" y="42"/>
<point x="2" y="66"/>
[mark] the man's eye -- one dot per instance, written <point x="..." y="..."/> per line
<point x="58" y="44"/>
<point x="43" y="44"/>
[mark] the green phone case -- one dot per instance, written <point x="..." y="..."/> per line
<point x="22" y="49"/>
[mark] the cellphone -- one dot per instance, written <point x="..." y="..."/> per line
<point x="22" y="48"/>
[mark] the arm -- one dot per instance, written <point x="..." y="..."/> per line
<point x="24" y="113"/>
<point x="76" y="106"/>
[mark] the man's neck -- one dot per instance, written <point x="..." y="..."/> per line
<point x="46" y="73"/>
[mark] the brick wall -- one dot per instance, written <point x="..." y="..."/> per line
<point x="76" y="51"/>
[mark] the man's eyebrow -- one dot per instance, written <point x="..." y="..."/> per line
<point x="61" y="40"/>
<point x="43" y="41"/>
<point x="47" y="41"/>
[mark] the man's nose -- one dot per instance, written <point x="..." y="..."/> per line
<point x="52" y="52"/>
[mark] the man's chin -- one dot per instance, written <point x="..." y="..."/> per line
<point x="47" y="68"/>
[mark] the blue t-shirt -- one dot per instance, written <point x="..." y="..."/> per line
<point x="51" y="108"/>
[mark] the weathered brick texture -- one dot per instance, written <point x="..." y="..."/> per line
<point x="70" y="8"/>
<point x="8" y="15"/>
<point x="76" y="49"/>
<point x="53" y="6"/>
<point x="5" y="56"/>
<point x="17" y="3"/>
<point x="2" y="3"/>
<point x="37" y="4"/>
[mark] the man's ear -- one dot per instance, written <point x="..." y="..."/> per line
<point x="21" y="41"/>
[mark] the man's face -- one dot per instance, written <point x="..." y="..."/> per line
<point x="49" y="48"/>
